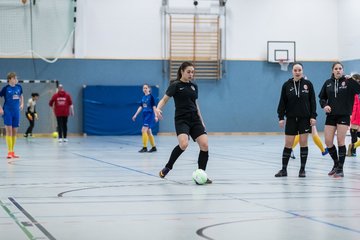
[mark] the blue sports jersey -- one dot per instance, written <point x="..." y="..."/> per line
<point x="147" y="103"/>
<point x="12" y="96"/>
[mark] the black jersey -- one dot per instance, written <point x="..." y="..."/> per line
<point x="185" y="95"/>
<point x="297" y="99"/>
<point x="339" y="95"/>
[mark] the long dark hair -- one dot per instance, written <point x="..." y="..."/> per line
<point x="182" y="67"/>
<point x="332" y="68"/>
<point x="297" y="63"/>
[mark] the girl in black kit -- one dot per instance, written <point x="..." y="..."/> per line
<point x="298" y="104"/>
<point x="337" y="98"/>
<point x="188" y="119"/>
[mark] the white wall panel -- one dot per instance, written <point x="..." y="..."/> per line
<point x="349" y="29"/>
<point x="132" y="29"/>
<point x="312" y="24"/>
<point x="119" y="29"/>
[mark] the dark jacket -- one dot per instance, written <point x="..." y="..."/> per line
<point x="339" y="95"/>
<point x="297" y="99"/>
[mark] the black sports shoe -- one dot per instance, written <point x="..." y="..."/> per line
<point x="333" y="171"/>
<point x="164" y="172"/>
<point x="208" y="181"/>
<point x="144" y="149"/>
<point x="339" y="173"/>
<point x="302" y="174"/>
<point x="281" y="173"/>
<point x="25" y="135"/>
<point x="153" y="149"/>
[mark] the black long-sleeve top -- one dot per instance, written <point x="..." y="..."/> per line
<point x="339" y="95"/>
<point x="297" y="99"/>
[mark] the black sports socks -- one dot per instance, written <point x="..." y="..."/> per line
<point x="203" y="159"/>
<point x="334" y="155"/>
<point x="304" y="151"/>
<point x="177" y="151"/>
<point x="353" y="133"/>
<point x="342" y="154"/>
<point x="285" y="157"/>
<point x="175" y="154"/>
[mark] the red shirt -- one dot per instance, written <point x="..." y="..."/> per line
<point x="355" y="116"/>
<point x="61" y="102"/>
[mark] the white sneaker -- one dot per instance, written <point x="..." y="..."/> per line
<point x="60" y="140"/>
<point x="65" y="140"/>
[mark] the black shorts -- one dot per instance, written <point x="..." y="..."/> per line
<point x="334" y="120"/>
<point x="295" y="126"/>
<point x="189" y="124"/>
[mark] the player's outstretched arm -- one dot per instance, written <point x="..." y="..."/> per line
<point x="161" y="104"/>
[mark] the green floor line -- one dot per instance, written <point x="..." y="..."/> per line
<point x="23" y="228"/>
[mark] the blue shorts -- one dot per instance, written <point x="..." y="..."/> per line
<point x="148" y="119"/>
<point x="11" y="117"/>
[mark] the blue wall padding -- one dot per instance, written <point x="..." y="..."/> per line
<point x="108" y="110"/>
<point x="244" y="100"/>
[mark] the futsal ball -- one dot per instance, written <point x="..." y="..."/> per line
<point x="199" y="176"/>
<point x="55" y="134"/>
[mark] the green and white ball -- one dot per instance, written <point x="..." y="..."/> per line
<point x="199" y="176"/>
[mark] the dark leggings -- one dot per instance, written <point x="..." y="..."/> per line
<point x="62" y="126"/>
<point x="32" y="124"/>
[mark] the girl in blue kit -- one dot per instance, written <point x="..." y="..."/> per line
<point x="13" y="104"/>
<point x="147" y="107"/>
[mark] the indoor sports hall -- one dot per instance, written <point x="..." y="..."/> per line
<point x="97" y="185"/>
